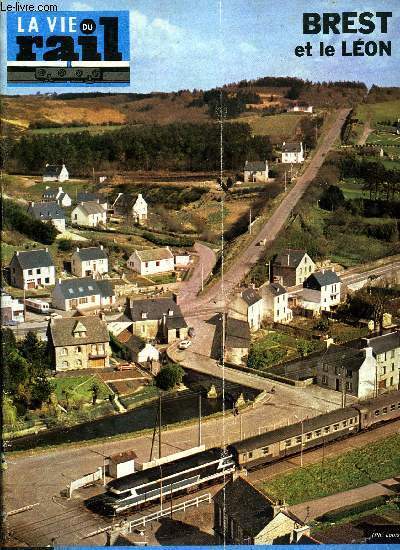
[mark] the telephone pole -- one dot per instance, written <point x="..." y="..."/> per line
<point x="250" y="222"/>
<point x="199" y="418"/>
<point x="159" y="426"/>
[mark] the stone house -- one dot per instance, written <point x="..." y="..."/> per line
<point x="256" y="171"/>
<point x="292" y="153"/>
<point x="248" y="305"/>
<point x="83" y="294"/>
<point x="89" y="214"/>
<point x="275" y="303"/>
<point x="245" y="516"/>
<point x="79" y="343"/>
<point x="55" y="172"/>
<point x="237" y="340"/>
<point x="327" y="284"/>
<point x="86" y="262"/>
<point x="292" y="266"/>
<point x="152" y="261"/>
<point x="48" y="212"/>
<point x="56" y="194"/>
<point x="156" y="318"/>
<point x="32" y="269"/>
<point x="139" y="350"/>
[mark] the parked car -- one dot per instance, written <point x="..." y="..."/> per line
<point x="184" y="344"/>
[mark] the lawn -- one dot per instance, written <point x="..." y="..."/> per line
<point x="379" y="112"/>
<point x="353" y="189"/>
<point x="277" y="126"/>
<point x="372" y="463"/>
<point x="79" y="388"/>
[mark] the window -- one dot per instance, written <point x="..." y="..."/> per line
<point x="64" y="351"/>
<point x="309" y="436"/>
<point x="288" y="442"/>
<point x="392" y="354"/>
<point x="79" y="363"/>
<point x="250" y="454"/>
<point x="349" y="386"/>
<point x="146" y="264"/>
<point x="349" y="373"/>
<point x="47" y="280"/>
<point x="78" y="349"/>
<point x="391" y="381"/>
<point x="324" y="379"/>
<point x="327" y="429"/>
<point x="335" y="427"/>
<point x="38" y="271"/>
<point x="317" y="433"/>
<point x="383" y="370"/>
<point x="377" y="412"/>
<point x="392" y="366"/>
<point x="298" y="439"/>
<point x="393" y="407"/>
<point x="30" y="272"/>
<point x="344" y="423"/>
<point x="157" y="264"/>
<point x="351" y="421"/>
<point x="265" y="450"/>
<point x="384" y="410"/>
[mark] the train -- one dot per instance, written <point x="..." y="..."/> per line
<point x="145" y="487"/>
<point x="39" y="306"/>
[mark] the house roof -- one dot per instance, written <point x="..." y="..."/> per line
<point x="154" y="308"/>
<point x="384" y="343"/>
<point x="322" y="278"/>
<point x="91" y="207"/>
<point x="50" y="193"/>
<point x="32" y="259"/>
<point x="255" y="165"/>
<point x="46" y="211"/>
<point x="275" y="289"/>
<point x="91" y="253"/>
<point x="237" y="333"/>
<point x="84" y="286"/>
<point x="289" y="257"/>
<point x="88" y="196"/>
<point x="250" y="296"/>
<point x="124" y="203"/>
<point x="63" y="331"/>
<point x="247" y="506"/>
<point x="175" y="322"/>
<point x="291" y="147"/>
<point x="134" y="343"/>
<point x="123" y="457"/>
<point x="153" y="254"/>
<point x="53" y="170"/>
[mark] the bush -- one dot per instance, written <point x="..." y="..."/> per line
<point x="169" y="377"/>
<point x="353" y="509"/>
<point x="65" y="245"/>
<point x="16" y="218"/>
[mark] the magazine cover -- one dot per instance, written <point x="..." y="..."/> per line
<point x="200" y="273"/>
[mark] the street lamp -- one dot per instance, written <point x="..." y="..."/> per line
<point x="302" y="435"/>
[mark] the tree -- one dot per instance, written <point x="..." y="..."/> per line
<point x="95" y="393"/>
<point x="169" y="377"/>
<point x="332" y="198"/>
<point x="304" y="347"/>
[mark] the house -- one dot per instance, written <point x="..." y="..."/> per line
<point x="12" y="311"/>
<point x="83" y="294"/>
<point x="292" y="153"/>
<point x="88" y="196"/>
<point x="182" y="260"/>
<point x="48" y="212"/>
<point x="156" y="318"/>
<point x="79" y="343"/>
<point x="128" y="205"/>
<point x="151" y="261"/>
<point x="56" y="194"/>
<point x="248" y="306"/>
<point x="32" y="269"/>
<point x="328" y="284"/>
<point x="292" y="266"/>
<point x="237" y="340"/>
<point x="245" y="516"/>
<point x="256" y="171"/>
<point x="300" y="108"/>
<point x="275" y="303"/>
<point x="139" y="350"/>
<point x="89" y="214"/>
<point x="55" y="172"/>
<point x="90" y="261"/>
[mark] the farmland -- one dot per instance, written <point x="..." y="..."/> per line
<point x="279" y="127"/>
<point x="378" y="112"/>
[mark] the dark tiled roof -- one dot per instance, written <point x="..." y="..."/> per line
<point x="275" y="289"/>
<point x="50" y="193"/>
<point x="155" y="308"/>
<point x="321" y="278"/>
<point x="62" y="331"/>
<point x="88" y="196"/>
<point x="46" y="211"/>
<point x="52" y="170"/>
<point x="289" y="257"/>
<point x="291" y="147"/>
<point x="134" y="343"/>
<point x="175" y="322"/>
<point x="85" y="286"/>
<point x="237" y="333"/>
<point x="250" y="296"/>
<point x="91" y="253"/>
<point x="32" y="259"/>
<point x="255" y="166"/>
<point x="247" y="506"/>
<point x="384" y="343"/>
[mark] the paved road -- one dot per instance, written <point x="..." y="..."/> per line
<point x="202" y="269"/>
<point x="241" y="266"/>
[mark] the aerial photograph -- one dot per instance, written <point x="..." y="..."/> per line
<point x="200" y="273"/>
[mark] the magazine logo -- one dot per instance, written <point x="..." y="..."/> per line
<point x="69" y="48"/>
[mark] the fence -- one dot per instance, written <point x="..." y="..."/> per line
<point x="85" y="480"/>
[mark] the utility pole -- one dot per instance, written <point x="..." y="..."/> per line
<point x="269" y="270"/>
<point x="301" y="448"/>
<point x="159" y="426"/>
<point x="24" y="306"/>
<point x="241" y="427"/>
<point x="343" y="385"/>
<point x="202" y="277"/>
<point x="285" y="181"/>
<point x="199" y="418"/>
<point x="250" y="222"/>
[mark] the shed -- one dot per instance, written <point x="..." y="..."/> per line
<point x="122" y="464"/>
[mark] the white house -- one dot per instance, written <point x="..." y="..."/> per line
<point x="300" y="108"/>
<point x="151" y="261"/>
<point x="139" y="209"/>
<point x="328" y="284"/>
<point x="247" y="305"/>
<point x="32" y="269"/>
<point x="182" y="260"/>
<point x="89" y="214"/>
<point x="55" y="172"/>
<point x="58" y="195"/>
<point x="48" y="212"/>
<point x="83" y="294"/>
<point x="89" y="261"/>
<point x="275" y="303"/>
<point x="256" y="171"/>
<point x="88" y="196"/>
<point x="292" y="153"/>
<point x="11" y="309"/>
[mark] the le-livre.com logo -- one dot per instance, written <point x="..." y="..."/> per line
<point x="68" y="48"/>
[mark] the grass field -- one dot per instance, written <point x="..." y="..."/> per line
<point x="75" y="129"/>
<point x="369" y="464"/>
<point x="277" y="126"/>
<point x="79" y="388"/>
<point x="378" y="112"/>
<point x="352" y="189"/>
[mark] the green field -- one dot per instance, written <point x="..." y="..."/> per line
<point x="79" y="388"/>
<point x="74" y="129"/>
<point x="372" y="463"/>
<point x="378" y="112"/>
<point x="277" y="126"/>
<point x="352" y="189"/>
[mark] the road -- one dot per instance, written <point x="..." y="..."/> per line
<point x="202" y="269"/>
<point x="242" y="265"/>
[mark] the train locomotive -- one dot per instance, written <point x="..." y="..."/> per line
<point x="148" y="486"/>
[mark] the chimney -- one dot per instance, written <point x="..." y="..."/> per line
<point x="47" y="186"/>
<point x="164" y="319"/>
<point x="32" y="203"/>
<point x="59" y="281"/>
<point x="323" y="270"/>
<point x="175" y="298"/>
<point x="102" y="316"/>
<point x="47" y="249"/>
<point x="60" y="189"/>
<point x="368" y="352"/>
<point x="288" y="258"/>
<point x="170" y="312"/>
<point x="77" y="248"/>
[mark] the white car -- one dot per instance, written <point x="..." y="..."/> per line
<point x="184" y="344"/>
